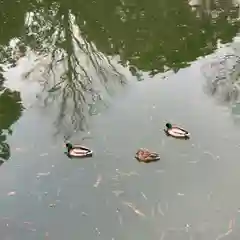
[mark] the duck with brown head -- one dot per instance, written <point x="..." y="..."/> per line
<point x="144" y="155"/>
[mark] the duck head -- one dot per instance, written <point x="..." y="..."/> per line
<point x="69" y="146"/>
<point x="169" y="125"/>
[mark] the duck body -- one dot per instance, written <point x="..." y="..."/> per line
<point x="78" y="151"/>
<point x="177" y="132"/>
<point x="144" y="155"/>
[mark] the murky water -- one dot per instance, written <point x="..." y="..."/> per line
<point x="191" y="193"/>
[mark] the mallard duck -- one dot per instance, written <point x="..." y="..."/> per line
<point x="78" y="151"/>
<point x="176" y="131"/>
<point x="144" y="155"/>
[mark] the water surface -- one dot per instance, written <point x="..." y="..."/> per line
<point x="191" y="193"/>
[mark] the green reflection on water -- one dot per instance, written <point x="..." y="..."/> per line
<point x="10" y="111"/>
<point x="80" y="36"/>
<point x="151" y="35"/>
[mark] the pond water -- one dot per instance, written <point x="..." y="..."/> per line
<point x="136" y="74"/>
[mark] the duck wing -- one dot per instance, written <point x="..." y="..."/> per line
<point x="79" y="152"/>
<point x="178" y="131"/>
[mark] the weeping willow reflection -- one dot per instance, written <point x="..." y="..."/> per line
<point x="76" y="74"/>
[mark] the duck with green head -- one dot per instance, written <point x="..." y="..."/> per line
<point x="176" y="131"/>
<point x="78" y="151"/>
<point x="169" y="125"/>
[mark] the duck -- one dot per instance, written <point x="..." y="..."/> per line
<point x="144" y="155"/>
<point x="176" y="131"/>
<point x="78" y="151"/>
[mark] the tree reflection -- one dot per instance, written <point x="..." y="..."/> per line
<point x="153" y="36"/>
<point x="157" y="35"/>
<point x="10" y="101"/>
<point x="10" y="112"/>
<point x="74" y="39"/>
<point x="222" y="74"/>
<point x="75" y="67"/>
<point x="222" y="77"/>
